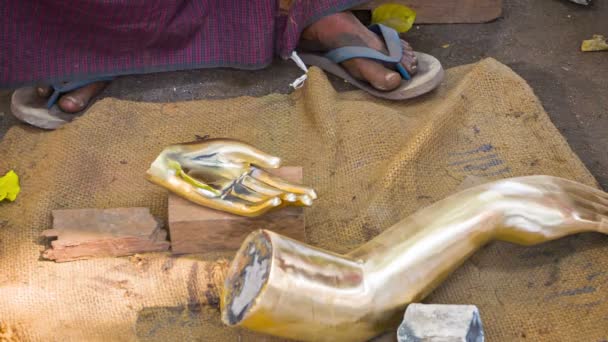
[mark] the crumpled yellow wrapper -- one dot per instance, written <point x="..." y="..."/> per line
<point x="9" y="186"/>
<point x="399" y="17"/>
<point x="597" y="43"/>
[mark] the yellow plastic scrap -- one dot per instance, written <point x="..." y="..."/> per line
<point x="399" y="17"/>
<point x="9" y="186"/>
<point x="597" y="43"/>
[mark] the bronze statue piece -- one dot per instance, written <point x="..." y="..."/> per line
<point x="286" y="288"/>
<point x="227" y="175"/>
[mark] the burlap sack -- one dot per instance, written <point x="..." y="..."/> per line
<point x="372" y="163"/>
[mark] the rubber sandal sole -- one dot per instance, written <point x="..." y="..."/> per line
<point x="429" y="76"/>
<point x="29" y="107"/>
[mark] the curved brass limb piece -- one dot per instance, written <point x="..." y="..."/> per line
<point x="227" y="175"/>
<point x="286" y="288"/>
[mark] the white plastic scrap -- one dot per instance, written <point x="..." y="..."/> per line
<point x="299" y="82"/>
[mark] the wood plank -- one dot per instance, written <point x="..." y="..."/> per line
<point x="197" y="229"/>
<point x="447" y="11"/>
<point x="86" y="233"/>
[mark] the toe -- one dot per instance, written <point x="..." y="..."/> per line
<point x="78" y="99"/>
<point x="375" y="73"/>
<point x="409" y="60"/>
<point x="44" y="91"/>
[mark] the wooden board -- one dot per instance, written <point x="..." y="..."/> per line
<point x="197" y="229"/>
<point x="447" y="11"/>
<point x="88" y="233"/>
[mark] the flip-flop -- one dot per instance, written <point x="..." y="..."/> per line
<point x="429" y="76"/>
<point x="29" y="107"/>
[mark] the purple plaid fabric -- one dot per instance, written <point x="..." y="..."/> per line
<point x="57" y="40"/>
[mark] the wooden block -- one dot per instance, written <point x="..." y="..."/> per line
<point x="87" y="233"/>
<point x="196" y="229"/>
<point x="447" y="11"/>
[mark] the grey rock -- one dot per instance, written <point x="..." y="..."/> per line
<point x="441" y="323"/>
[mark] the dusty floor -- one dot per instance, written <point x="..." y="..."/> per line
<point x="539" y="39"/>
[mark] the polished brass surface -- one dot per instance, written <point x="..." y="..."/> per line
<point x="227" y="175"/>
<point x="304" y="293"/>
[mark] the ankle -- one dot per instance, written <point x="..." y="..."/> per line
<point x="329" y="26"/>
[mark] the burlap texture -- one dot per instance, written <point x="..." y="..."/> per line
<point x="372" y="162"/>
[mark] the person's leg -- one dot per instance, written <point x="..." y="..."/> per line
<point x="344" y="29"/>
<point x="332" y="31"/>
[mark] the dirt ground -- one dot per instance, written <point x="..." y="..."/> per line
<point x="539" y="39"/>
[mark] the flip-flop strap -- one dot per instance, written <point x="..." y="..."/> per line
<point x="59" y="89"/>
<point x="392" y="42"/>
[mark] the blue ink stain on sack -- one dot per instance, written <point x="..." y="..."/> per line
<point x="482" y="167"/>
<point x="481" y="161"/>
<point x="473" y="159"/>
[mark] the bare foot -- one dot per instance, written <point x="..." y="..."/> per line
<point x="76" y="100"/>
<point x="344" y="29"/>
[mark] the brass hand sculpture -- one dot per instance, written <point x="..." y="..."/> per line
<point x="226" y="175"/>
<point x="286" y="288"/>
